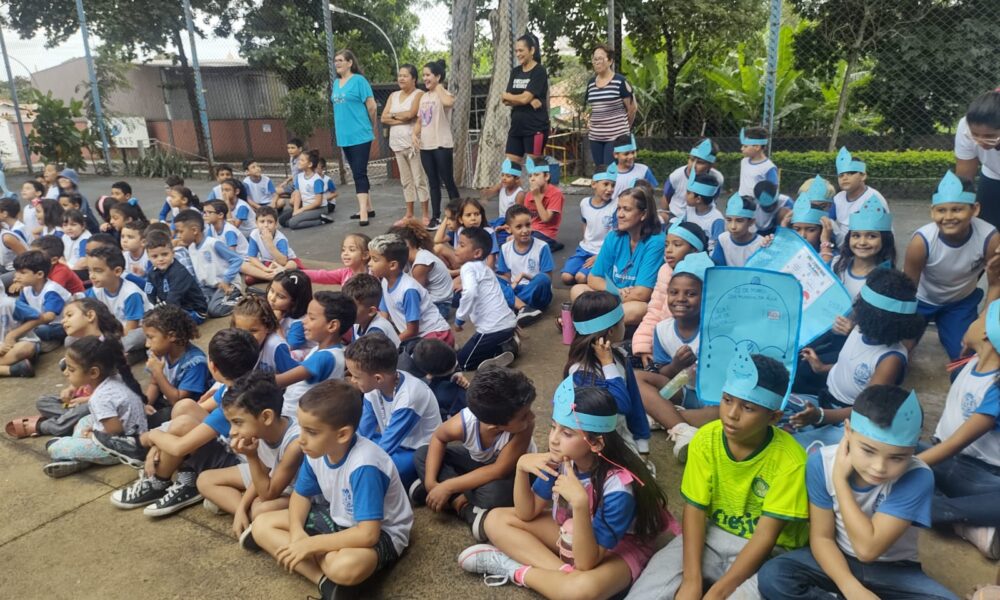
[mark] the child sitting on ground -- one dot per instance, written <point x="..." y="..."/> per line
<point x="168" y="210"/>
<point x="254" y="314"/>
<point x="471" y="214"/>
<point x="13" y="239"/>
<point x="169" y="282"/>
<point x="269" y="250"/>
<point x="328" y="541"/>
<point x="122" y="297"/>
<point x="222" y="173"/>
<point x="437" y="363"/>
<point x="354" y="255"/>
<point x="526" y="265"/>
<point x="545" y="201"/>
<point x="308" y="201"/>
<point x="18" y="347"/>
<point x="75" y="238"/>
<point x="469" y="465"/>
<point x="755" y="166"/>
<point x="60" y="273"/>
<point x="739" y="241"/>
<point x="701" y="210"/>
<point x="269" y="444"/>
<point x="177" y="368"/>
<point x="424" y="266"/>
<point x="598" y="214"/>
<point x="46" y="297"/>
<point x="289" y="295"/>
<point x="772" y="207"/>
<point x="701" y="161"/>
<point x="215" y="265"/>
<point x="366" y="292"/>
<point x="811" y="223"/>
<point x="508" y="192"/>
<point x="240" y="214"/>
<point x="136" y="259"/>
<point x="867" y="496"/>
<point x="217" y="225"/>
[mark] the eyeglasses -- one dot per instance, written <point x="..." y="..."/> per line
<point x="986" y="141"/>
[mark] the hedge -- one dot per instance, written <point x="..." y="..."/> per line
<point x="910" y="174"/>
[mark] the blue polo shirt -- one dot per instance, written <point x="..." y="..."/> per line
<point x="627" y="268"/>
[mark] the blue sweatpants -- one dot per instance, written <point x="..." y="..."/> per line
<point x="536" y="292"/>
<point x="952" y="320"/>
<point x="403" y="459"/>
<point x="482" y="346"/>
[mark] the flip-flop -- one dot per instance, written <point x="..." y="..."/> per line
<point x="23" y="427"/>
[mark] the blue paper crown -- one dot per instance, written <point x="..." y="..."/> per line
<point x="904" y="431"/>
<point x="695" y="264"/>
<point x="951" y="190"/>
<point x="847" y="164"/>
<point x="993" y="324"/>
<point x="686" y="235"/>
<point x="703" y="151"/>
<point x="735" y="207"/>
<point x="629" y="147"/>
<point x="802" y="210"/>
<point x="604" y="176"/>
<point x="603" y="322"/>
<point x="704" y="190"/>
<point x="765" y="199"/>
<point x="872" y="216"/>
<point x="508" y="168"/>
<point x="741" y="382"/>
<point x="883" y="302"/>
<point x="564" y="412"/>
<point x="747" y="141"/>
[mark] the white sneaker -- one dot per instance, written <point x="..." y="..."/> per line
<point x="681" y="435"/>
<point x="654" y="425"/>
<point x="985" y="539"/>
<point x="488" y="560"/>
<point x="501" y="360"/>
<point x="212" y="507"/>
<point x="643" y="446"/>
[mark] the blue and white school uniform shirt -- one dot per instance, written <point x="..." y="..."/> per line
<point x="231" y="236"/>
<point x="907" y="498"/>
<point x="973" y="392"/>
<point x="258" y="249"/>
<point x="535" y="260"/>
<point x="260" y="192"/>
<point x="6" y="254"/>
<point x="271" y="456"/>
<point x="129" y="304"/>
<point x="322" y="364"/>
<point x="952" y="272"/>
<point x="407" y="420"/>
<point x="598" y="221"/>
<point x="190" y="371"/>
<point x="14" y="312"/>
<point x="752" y="173"/>
<point x="407" y="302"/>
<point x="215" y="194"/>
<point x="439" y="282"/>
<point x="730" y="253"/>
<point x="275" y="356"/>
<point x="842" y="209"/>
<point x="768" y="221"/>
<point x="363" y="486"/>
<point x="667" y="341"/>
<point x="507" y="199"/>
<point x="712" y="223"/>
<point x="311" y="189"/>
<point x="473" y="442"/>
<point x="56" y="231"/>
<point x="856" y="364"/>
<point x="329" y="187"/>
<point x="483" y="301"/>
<point x="75" y="249"/>
<point x="142" y="261"/>
<point x="52" y="298"/>
<point x="852" y="282"/>
<point x="493" y="236"/>
<point x="214" y="262"/>
<point x="626" y="179"/>
<point x="246" y="215"/>
<point x="676" y="187"/>
<point x="378" y="324"/>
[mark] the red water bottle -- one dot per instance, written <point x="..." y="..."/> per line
<point x="568" y="332"/>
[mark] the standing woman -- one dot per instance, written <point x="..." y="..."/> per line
<point x="527" y="94"/>
<point x="612" y="106"/>
<point x="399" y="114"/>
<point x="977" y="145"/>
<point x="432" y="134"/>
<point x="354" y="118"/>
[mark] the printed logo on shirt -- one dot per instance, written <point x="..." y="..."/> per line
<point x="532" y="265"/>
<point x="759" y="487"/>
<point x="878" y="502"/>
<point x="207" y="255"/>
<point x="607" y="221"/>
<point x="348" y="501"/>
<point x="968" y="405"/>
<point x="520" y="84"/>
<point x="862" y="373"/>
<point x="741" y="525"/>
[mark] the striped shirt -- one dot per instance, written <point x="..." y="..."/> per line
<point x="608" y="117"/>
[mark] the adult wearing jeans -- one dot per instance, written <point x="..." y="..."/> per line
<point x="977" y="146"/>
<point x="527" y="94"/>
<point x="432" y="134"/>
<point x="612" y="107"/>
<point x="354" y="118"/>
<point x="399" y="114"/>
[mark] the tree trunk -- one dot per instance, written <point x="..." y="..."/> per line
<point x="463" y="19"/>
<point x="845" y="88"/>
<point x="189" y="86"/>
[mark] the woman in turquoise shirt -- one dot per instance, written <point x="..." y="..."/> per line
<point x="354" y="118"/>
<point x="630" y="256"/>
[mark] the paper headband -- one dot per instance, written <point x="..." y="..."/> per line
<point x="872" y="216"/>
<point x="847" y="164"/>
<point x="686" y="235"/>
<point x="802" y="210"/>
<point x="565" y="413"/>
<point x="766" y="199"/>
<point x="905" y="428"/>
<point x="735" y="207"/>
<point x="993" y="324"/>
<point x="601" y="323"/>
<point x="741" y="382"/>
<point x="695" y="264"/>
<point x="950" y="189"/>
<point x="748" y="141"/>
<point x="900" y="307"/>
<point x="704" y="190"/>
<point x="604" y="176"/>
<point x="532" y="168"/>
<point x="508" y="168"/>
<point x="629" y="147"/>
<point x="703" y="151"/>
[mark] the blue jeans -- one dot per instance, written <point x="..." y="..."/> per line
<point x="952" y="320"/>
<point x="603" y="153"/>
<point x="50" y="332"/>
<point x="797" y="576"/>
<point x="966" y="490"/>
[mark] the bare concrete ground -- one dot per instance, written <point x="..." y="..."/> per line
<point x="64" y="539"/>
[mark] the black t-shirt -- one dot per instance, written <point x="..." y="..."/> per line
<point x="525" y="120"/>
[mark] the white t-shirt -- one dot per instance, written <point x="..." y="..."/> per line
<point x="973" y="392"/>
<point x="231" y="236"/>
<point x="752" y="173"/>
<point x="728" y="253"/>
<point x="75" y="249"/>
<point x="713" y="223"/>
<point x="856" y="365"/>
<point x="952" y="272"/>
<point x="322" y="364"/>
<point x="843" y="208"/>
<point x="473" y="442"/>
<point x="506" y="199"/>
<point x="667" y="341"/>
<point x="598" y="220"/>
<point x="677" y="186"/>
<point x="966" y="149"/>
<point x="378" y="324"/>
<point x="270" y="455"/>
<point x="483" y="301"/>
<point x="112" y="398"/>
<point x="261" y="191"/>
<point x="438" y="280"/>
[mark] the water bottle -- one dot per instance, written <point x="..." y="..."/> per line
<point x="568" y="333"/>
<point x="674" y="385"/>
<point x="564" y="512"/>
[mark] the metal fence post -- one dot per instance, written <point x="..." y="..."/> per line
<point x="95" y="93"/>
<point x="513" y="31"/>
<point x="199" y="86"/>
<point x="17" y="106"/>
<point x="771" y="75"/>
<point x="611" y="26"/>
<point x="332" y="74"/>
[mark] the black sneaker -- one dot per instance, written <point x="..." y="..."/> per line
<point x="478" y="524"/>
<point x="22" y="368"/>
<point x="246" y="540"/>
<point x="145" y="490"/>
<point x="326" y="218"/>
<point x="528" y="315"/>
<point x="330" y="207"/>
<point x="177" y="497"/>
<point x="329" y="590"/>
<point x="417" y="493"/>
<point x="125" y="448"/>
<point x="434" y="224"/>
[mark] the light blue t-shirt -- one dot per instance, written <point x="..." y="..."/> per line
<point x="350" y="115"/>
<point x="626" y="268"/>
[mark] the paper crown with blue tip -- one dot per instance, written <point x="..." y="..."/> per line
<point x="531" y="168"/>
<point x="905" y="428"/>
<point x="735" y="207"/>
<point x="686" y="235"/>
<point x="604" y="176"/>
<point x="565" y="413"/>
<point x="508" y="168"/>
<point x="704" y="190"/>
<point x="847" y="164"/>
<point x="694" y="264"/>
<point x="703" y="151"/>
<point x="950" y="189"/>
<point x="741" y="382"/>
<point x="993" y="324"/>
<point x="629" y="147"/>
<point x="802" y="210"/>
<point x="749" y="141"/>
<point x="872" y="216"/>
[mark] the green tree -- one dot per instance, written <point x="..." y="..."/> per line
<point x="54" y="135"/>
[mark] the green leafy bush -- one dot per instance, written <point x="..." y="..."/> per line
<point x="157" y="163"/>
<point x="54" y="135"/>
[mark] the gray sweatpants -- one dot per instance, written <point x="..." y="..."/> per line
<point x="457" y="462"/>
<point x="662" y="576"/>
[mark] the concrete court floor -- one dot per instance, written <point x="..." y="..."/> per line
<point x="64" y="539"/>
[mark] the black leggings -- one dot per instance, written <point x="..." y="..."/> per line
<point x="357" y="158"/>
<point x="988" y="196"/>
<point x="438" y="168"/>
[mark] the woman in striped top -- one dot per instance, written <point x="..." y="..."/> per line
<point x="612" y="107"/>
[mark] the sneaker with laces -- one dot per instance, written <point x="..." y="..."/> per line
<point x="22" y="368"/>
<point x="434" y="224"/>
<point x="643" y="446"/>
<point x="488" y="560"/>
<point x="528" y="315"/>
<point x="417" y="493"/>
<point x="478" y="524"/>
<point x="177" y="497"/>
<point x="125" y="448"/>
<point x="681" y="435"/>
<point x="501" y="360"/>
<point x="62" y="468"/>
<point x="985" y="539"/>
<point x="145" y="490"/>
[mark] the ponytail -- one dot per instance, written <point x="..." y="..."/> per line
<point x="532" y="42"/>
<point x="107" y="354"/>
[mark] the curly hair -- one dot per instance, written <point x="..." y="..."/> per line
<point x="414" y="234"/>
<point x="256" y="307"/>
<point x="882" y="326"/>
<point x="172" y="320"/>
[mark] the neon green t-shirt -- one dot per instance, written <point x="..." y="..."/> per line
<point x="734" y="494"/>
